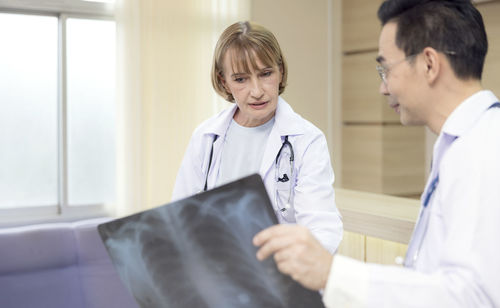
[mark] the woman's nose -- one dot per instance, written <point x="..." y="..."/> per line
<point x="256" y="90"/>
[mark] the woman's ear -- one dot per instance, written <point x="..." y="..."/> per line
<point x="223" y="82"/>
<point x="433" y="64"/>
<point x="281" y="72"/>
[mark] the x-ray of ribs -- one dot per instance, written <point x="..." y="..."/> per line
<point x="198" y="252"/>
<point x="215" y="269"/>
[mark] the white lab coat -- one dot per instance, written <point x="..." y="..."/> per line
<point x="313" y="194"/>
<point x="458" y="264"/>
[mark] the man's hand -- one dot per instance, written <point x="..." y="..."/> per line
<point x="297" y="253"/>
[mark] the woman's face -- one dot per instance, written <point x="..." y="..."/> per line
<point x="255" y="92"/>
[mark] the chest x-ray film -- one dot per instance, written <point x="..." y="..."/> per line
<point x="198" y="252"/>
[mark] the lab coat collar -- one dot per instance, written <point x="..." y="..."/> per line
<point x="220" y="126"/>
<point x="468" y="113"/>
<point x="287" y="122"/>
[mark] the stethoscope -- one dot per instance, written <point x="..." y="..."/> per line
<point x="416" y="243"/>
<point x="285" y="164"/>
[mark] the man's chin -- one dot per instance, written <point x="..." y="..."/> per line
<point x="407" y="121"/>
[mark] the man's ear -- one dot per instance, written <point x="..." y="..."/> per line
<point x="433" y="64"/>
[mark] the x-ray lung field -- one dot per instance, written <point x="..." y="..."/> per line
<point x="198" y="252"/>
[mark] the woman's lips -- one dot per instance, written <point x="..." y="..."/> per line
<point x="258" y="105"/>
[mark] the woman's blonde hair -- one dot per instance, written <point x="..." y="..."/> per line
<point x="248" y="41"/>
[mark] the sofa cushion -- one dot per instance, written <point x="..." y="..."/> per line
<point x="58" y="265"/>
<point x="102" y="285"/>
<point x="39" y="267"/>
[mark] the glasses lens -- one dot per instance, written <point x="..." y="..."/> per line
<point x="381" y="73"/>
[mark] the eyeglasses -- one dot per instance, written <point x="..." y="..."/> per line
<point x="384" y="70"/>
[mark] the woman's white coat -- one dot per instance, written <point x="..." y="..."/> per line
<point x="313" y="194"/>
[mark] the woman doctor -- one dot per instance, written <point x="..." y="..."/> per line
<point x="261" y="133"/>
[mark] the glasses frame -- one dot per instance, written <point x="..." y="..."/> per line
<point x="383" y="71"/>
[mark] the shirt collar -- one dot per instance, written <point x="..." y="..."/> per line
<point x="468" y="113"/>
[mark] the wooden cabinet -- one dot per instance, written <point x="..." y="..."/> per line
<point x="384" y="252"/>
<point x="377" y="228"/>
<point x="353" y="245"/>
<point x="371" y="249"/>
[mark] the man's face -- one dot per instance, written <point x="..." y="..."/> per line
<point x="401" y="83"/>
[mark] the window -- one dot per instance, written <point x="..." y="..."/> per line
<point x="57" y="102"/>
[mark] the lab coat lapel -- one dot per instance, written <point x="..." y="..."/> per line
<point x="287" y="123"/>
<point x="214" y="171"/>
<point x="218" y="128"/>
<point x="272" y="147"/>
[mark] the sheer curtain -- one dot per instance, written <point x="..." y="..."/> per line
<point x="165" y="50"/>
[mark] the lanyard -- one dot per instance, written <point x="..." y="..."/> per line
<point x="431" y="190"/>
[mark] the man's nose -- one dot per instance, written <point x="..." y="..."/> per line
<point x="383" y="89"/>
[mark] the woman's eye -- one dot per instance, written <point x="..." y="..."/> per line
<point x="267" y="74"/>
<point x="239" y="79"/>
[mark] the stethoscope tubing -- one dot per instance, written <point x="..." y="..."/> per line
<point x="283" y="145"/>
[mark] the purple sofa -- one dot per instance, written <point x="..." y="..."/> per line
<point x="58" y="265"/>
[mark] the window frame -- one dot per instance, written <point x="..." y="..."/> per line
<point x="62" y="211"/>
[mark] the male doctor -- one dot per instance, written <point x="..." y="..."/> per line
<point x="431" y="56"/>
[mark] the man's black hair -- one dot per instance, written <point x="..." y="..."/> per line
<point x="455" y="28"/>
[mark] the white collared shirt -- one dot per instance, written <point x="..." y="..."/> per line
<point x="459" y="260"/>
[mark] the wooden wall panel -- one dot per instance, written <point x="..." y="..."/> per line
<point x="360" y="25"/>
<point x="403" y="160"/>
<point x="491" y="75"/>
<point x="361" y="101"/>
<point x="387" y="159"/>
<point x="362" y="157"/>
<point x="378" y="154"/>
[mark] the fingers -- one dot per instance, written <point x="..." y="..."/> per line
<point x="274" y="245"/>
<point x="285" y="266"/>
<point x="264" y="235"/>
<point x="297" y="253"/>
<point x="273" y="240"/>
